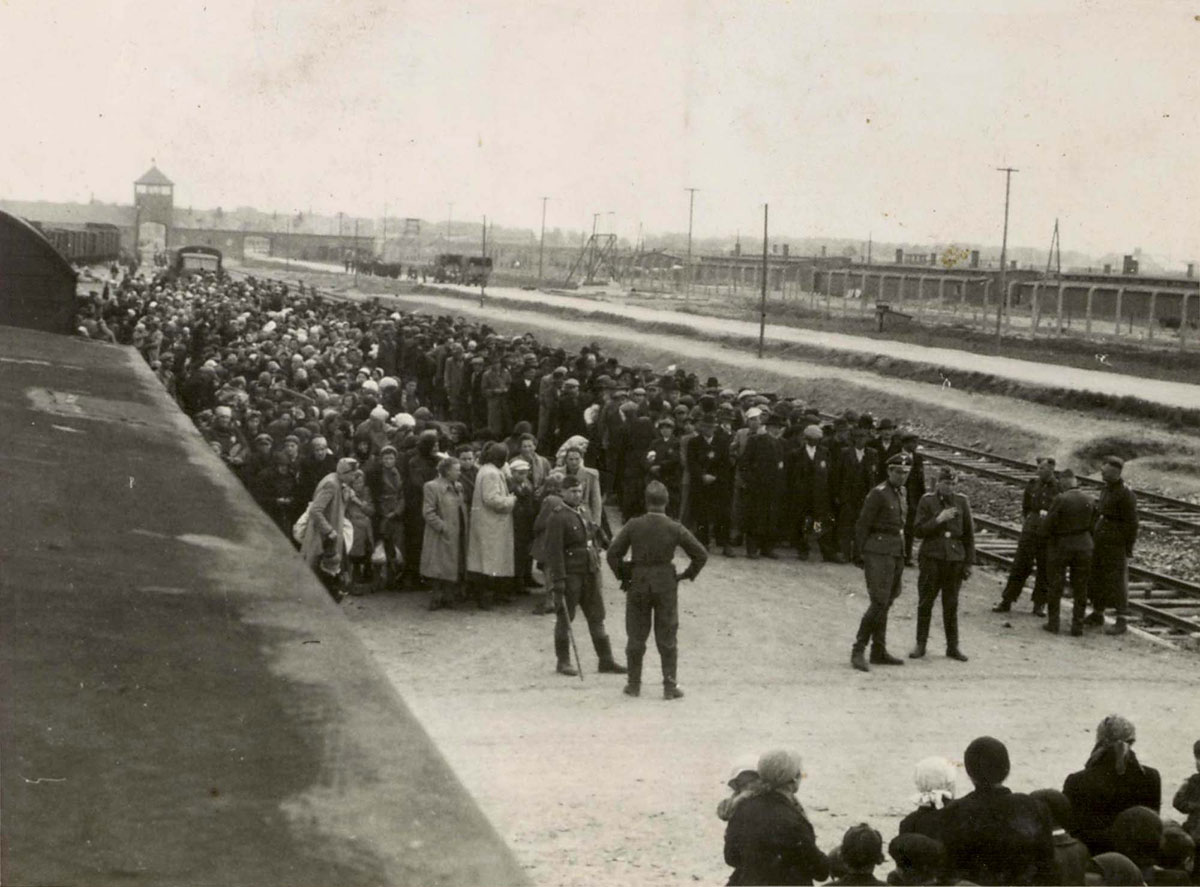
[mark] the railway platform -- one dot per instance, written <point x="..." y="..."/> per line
<point x="180" y="701"/>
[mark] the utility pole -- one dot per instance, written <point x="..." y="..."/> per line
<point x="687" y="290"/>
<point x="542" y="244"/>
<point x="1003" y="295"/>
<point x="483" y="266"/>
<point x="869" y="249"/>
<point x="356" y="251"/>
<point x="762" y="308"/>
<point x="449" y="216"/>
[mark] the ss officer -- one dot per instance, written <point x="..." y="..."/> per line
<point x="652" y="586"/>
<point x="947" y="533"/>
<point x="1068" y="527"/>
<point x="573" y="572"/>
<point x="879" y="535"/>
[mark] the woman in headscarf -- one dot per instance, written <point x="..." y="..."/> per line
<point x="769" y="840"/>
<point x="1112" y="780"/>
<point x="934" y="778"/>
<point x="323" y="538"/>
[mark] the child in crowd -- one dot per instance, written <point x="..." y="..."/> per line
<point x="1176" y="855"/>
<point x="742" y="779"/>
<point x="1187" y="799"/>
<point x="1070" y="855"/>
<point x="919" y="859"/>
<point x="935" y="781"/>
<point x="861" y="851"/>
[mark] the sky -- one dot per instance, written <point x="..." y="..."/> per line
<point x="848" y="118"/>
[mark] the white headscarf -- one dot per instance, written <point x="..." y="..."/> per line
<point x="934" y="778"/>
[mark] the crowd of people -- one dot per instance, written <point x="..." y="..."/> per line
<point x="403" y="450"/>
<point x="1104" y="826"/>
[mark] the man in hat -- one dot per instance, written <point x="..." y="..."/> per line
<point x="568" y="414"/>
<point x="886" y="445"/>
<point x="573" y="573"/>
<point x="1032" y="547"/>
<point x="947" y="533"/>
<point x="548" y="389"/>
<point x="711" y="483"/>
<point x="664" y="463"/>
<point x="856" y="472"/>
<point x="494" y="386"/>
<point x="651" y="585"/>
<point x="762" y="478"/>
<point x="1115" y="534"/>
<point x="1067" y="527"/>
<point x="879" y="535"/>
<point x="809" y="483"/>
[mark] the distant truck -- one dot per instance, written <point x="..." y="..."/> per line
<point x="196" y="259"/>
<point x="457" y="268"/>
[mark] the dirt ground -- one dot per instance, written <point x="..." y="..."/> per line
<point x="591" y="787"/>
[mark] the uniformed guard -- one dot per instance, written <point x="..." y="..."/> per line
<point x="1068" y="529"/>
<point x="651" y="585"/>
<point x="573" y="573"/>
<point x="879" y="535"/>
<point x="1033" y="546"/>
<point x="947" y="533"/>
<point x="1114" y="535"/>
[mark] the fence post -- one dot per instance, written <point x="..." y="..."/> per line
<point x="1008" y="291"/>
<point x="1117" y="313"/>
<point x="1058" y="312"/>
<point x="1088" y="321"/>
<point x="941" y="293"/>
<point x="1183" y="320"/>
<point x="920" y="296"/>
<point x="1035" y="314"/>
<point x="1150" y="316"/>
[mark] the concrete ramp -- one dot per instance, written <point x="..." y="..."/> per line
<point x="181" y="701"/>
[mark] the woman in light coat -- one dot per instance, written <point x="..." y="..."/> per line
<point x="444" y="550"/>
<point x="490" y="552"/>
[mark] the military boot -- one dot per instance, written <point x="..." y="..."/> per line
<point x="633" y="685"/>
<point x="670" y="661"/>
<point x="1118" y="627"/>
<point x="858" y="659"/>
<point x="562" y="651"/>
<point x="608" y="665"/>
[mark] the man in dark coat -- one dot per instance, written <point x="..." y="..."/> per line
<point x="762" y="476"/>
<point x="651" y="586"/>
<point x="1032" y="547"/>
<point x="856" y="471"/>
<point x="879" y="535"/>
<point x="1114" y="534"/>
<point x="1112" y="780"/>
<point x="993" y="835"/>
<point x="664" y="462"/>
<point x="568" y="414"/>
<point x="523" y="396"/>
<point x="712" y="483"/>
<point x="947" y="533"/>
<point x="1067" y="527"/>
<point x="810" y="482"/>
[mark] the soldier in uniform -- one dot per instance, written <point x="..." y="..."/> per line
<point x="915" y="485"/>
<point x="879" y="535"/>
<point x="1114" y="535"/>
<point x="947" y="533"/>
<point x="1032" y="548"/>
<point x="1068" y="530"/>
<point x="652" y="587"/>
<point x="573" y="573"/>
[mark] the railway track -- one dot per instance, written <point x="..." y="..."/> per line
<point x="1174" y="513"/>
<point x="1163" y="606"/>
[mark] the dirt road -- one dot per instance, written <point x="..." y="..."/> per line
<point x="591" y="787"/>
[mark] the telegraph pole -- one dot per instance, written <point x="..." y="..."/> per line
<point x="483" y="267"/>
<point x="449" y="215"/>
<point x="1003" y="295"/>
<point x="762" y="308"/>
<point x="687" y="290"/>
<point x="542" y="244"/>
<point x="356" y="251"/>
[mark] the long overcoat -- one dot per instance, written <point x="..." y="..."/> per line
<point x="491" y="547"/>
<point x="446" y="520"/>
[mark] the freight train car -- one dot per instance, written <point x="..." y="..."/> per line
<point x="85" y="245"/>
<point x="37" y="284"/>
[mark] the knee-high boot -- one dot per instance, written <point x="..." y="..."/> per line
<point x="670" y="662"/>
<point x="634" y="662"/>
<point x="604" y="653"/>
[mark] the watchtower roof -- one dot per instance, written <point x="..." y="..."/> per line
<point x="153" y="176"/>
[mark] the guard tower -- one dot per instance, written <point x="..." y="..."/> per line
<point x="154" y="203"/>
